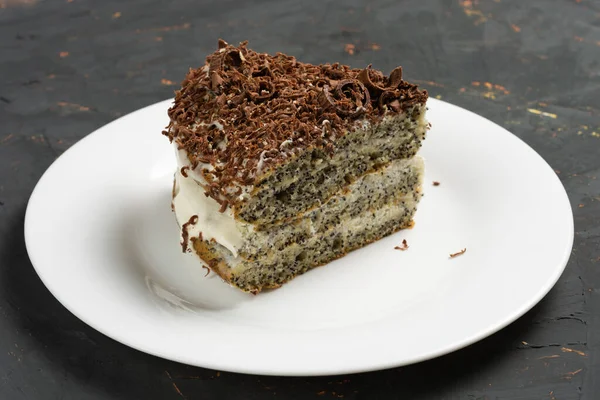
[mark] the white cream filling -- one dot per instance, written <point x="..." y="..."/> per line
<point x="183" y="161"/>
<point x="190" y="200"/>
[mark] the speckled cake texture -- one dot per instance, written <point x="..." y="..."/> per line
<point x="284" y="166"/>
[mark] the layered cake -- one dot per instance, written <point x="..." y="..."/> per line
<point x="284" y="166"/>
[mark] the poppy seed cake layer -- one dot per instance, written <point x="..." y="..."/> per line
<point x="312" y="178"/>
<point x="297" y="258"/>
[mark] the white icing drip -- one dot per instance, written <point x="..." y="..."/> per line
<point x="243" y="196"/>
<point x="183" y="161"/>
<point x="222" y="145"/>
<point x="285" y="143"/>
<point x="190" y="200"/>
<point x="261" y="162"/>
<point x="217" y="125"/>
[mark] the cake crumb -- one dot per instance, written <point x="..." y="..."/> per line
<point x="207" y="270"/>
<point x="436" y="183"/>
<point x="403" y="247"/>
<point x="463" y="251"/>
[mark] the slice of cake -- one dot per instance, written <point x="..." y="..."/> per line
<point x="284" y="166"/>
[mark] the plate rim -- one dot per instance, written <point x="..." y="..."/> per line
<point x="290" y="371"/>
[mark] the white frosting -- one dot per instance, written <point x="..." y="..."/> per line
<point x="183" y="161"/>
<point x="190" y="200"/>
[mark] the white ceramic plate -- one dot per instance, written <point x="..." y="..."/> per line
<point x="101" y="235"/>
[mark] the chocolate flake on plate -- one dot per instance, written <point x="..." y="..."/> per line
<point x="463" y="251"/>
<point x="403" y="247"/>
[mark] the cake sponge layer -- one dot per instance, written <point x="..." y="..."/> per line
<point x="313" y="177"/>
<point x="375" y="189"/>
<point x="297" y="258"/>
<point x="374" y="206"/>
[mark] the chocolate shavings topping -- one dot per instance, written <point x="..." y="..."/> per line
<point x="244" y="113"/>
<point x="185" y="234"/>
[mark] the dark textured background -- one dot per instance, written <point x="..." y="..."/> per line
<point x="69" y="66"/>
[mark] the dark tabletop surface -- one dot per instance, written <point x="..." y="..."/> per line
<point x="68" y="67"/>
